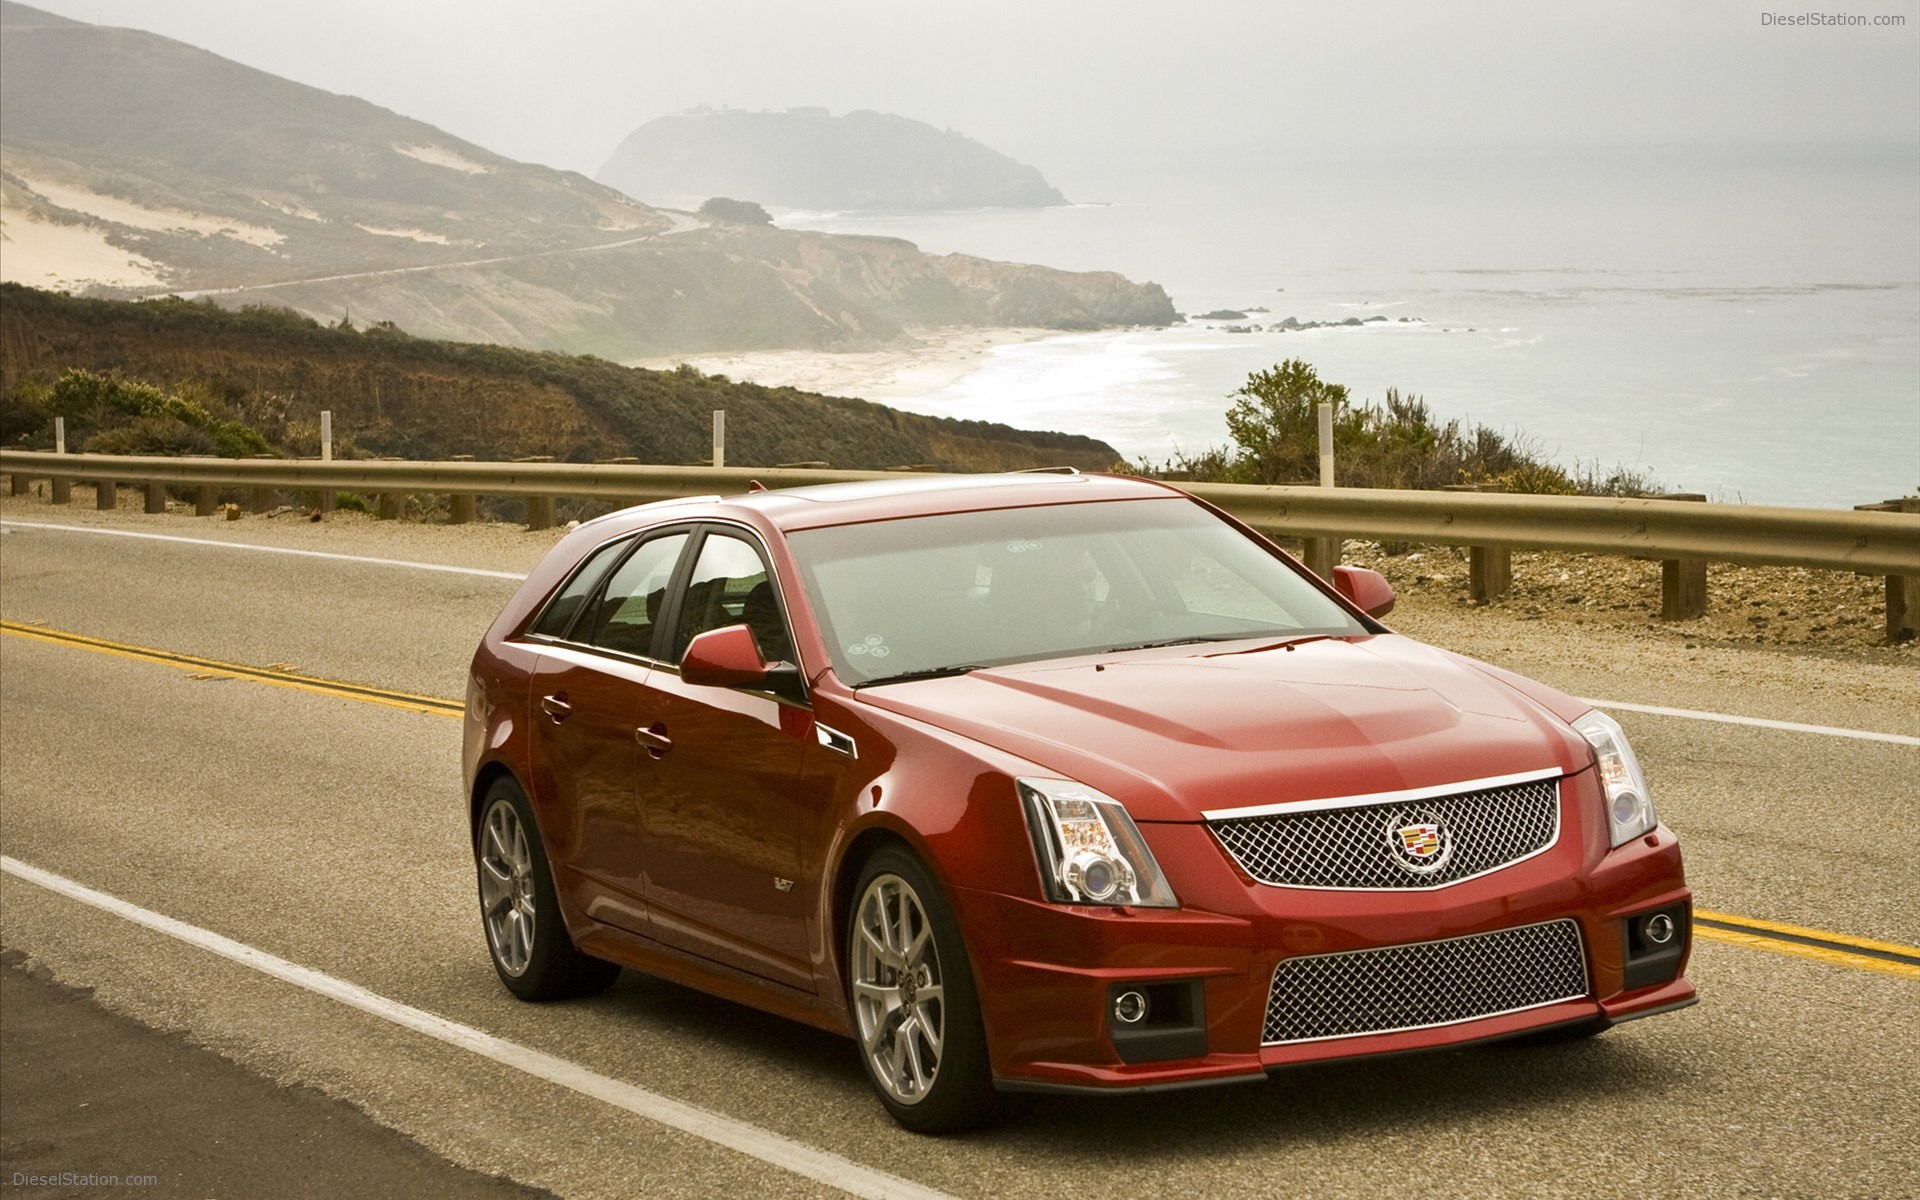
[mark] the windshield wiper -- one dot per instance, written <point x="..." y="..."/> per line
<point x="924" y="673"/>
<point x="1180" y="641"/>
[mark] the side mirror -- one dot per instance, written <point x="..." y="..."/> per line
<point x="1368" y="590"/>
<point x="724" y="657"/>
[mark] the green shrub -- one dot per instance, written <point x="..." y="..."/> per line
<point x="104" y="410"/>
<point x="1275" y="425"/>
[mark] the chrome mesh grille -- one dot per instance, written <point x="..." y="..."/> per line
<point x="1425" y="983"/>
<point x="1352" y="847"/>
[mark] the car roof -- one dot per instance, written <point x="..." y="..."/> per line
<point x="817" y="505"/>
<point x="926" y="495"/>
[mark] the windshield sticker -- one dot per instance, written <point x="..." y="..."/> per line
<point x="873" y="646"/>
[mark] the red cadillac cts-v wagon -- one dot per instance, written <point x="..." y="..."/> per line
<point x="1045" y="782"/>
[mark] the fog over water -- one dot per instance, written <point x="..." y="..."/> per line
<point x="1683" y="237"/>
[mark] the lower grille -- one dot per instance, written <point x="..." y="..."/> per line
<point x="1424" y="984"/>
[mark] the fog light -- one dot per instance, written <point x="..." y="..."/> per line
<point x="1659" y="929"/>
<point x="1130" y="1008"/>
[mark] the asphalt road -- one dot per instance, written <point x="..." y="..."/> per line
<point x="329" y="833"/>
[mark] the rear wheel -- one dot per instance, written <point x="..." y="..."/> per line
<point x="526" y="936"/>
<point x="915" y="1011"/>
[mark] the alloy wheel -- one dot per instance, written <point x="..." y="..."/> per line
<point x="899" y="994"/>
<point x="507" y="887"/>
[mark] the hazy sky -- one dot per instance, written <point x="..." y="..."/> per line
<point x="1094" y="92"/>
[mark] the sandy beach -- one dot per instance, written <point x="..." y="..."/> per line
<point x="941" y="357"/>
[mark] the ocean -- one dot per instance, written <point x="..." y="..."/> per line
<point x="1739" y="322"/>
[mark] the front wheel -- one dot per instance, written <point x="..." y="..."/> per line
<point x="526" y="936"/>
<point x="915" y="1010"/>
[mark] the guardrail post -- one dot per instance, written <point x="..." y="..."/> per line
<point x="106" y="495"/>
<point x="265" y="500"/>
<point x="1489" y="568"/>
<point x="1903" y="591"/>
<point x="1683" y="581"/>
<point x="206" y="500"/>
<point x="460" y="506"/>
<point x="1322" y="555"/>
<point x="18" y="484"/>
<point x="156" y="497"/>
<point x="539" y="508"/>
<point x="389" y="506"/>
<point x="539" y="512"/>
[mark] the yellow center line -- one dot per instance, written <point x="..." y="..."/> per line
<point x="1837" y="958"/>
<point x="1837" y="949"/>
<point x="273" y="677"/>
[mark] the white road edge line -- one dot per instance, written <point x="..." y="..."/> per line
<point x="806" y="1161"/>
<point x="1866" y="735"/>
<point x="217" y="543"/>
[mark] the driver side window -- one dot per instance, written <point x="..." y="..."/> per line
<point x="729" y="586"/>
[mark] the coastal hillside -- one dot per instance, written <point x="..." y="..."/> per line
<point x="809" y="158"/>
<point x="135" y="165"/>
<point x="391" y="394"/>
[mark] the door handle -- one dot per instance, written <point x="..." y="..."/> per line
<point x="556" y="706"/>
<point x="655" y="739"/>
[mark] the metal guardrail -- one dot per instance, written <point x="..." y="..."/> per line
<point x="1876" y="543"/>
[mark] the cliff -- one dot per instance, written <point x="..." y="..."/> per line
<point x="135" y="165"/>
<point x="392" y="394"/>
<point x="808" y="158"/>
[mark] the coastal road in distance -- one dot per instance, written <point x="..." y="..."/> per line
<point x="326" y="831"/>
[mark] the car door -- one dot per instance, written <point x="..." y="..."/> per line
<point x="723" y="808"/>
<point x="586" y="693"/>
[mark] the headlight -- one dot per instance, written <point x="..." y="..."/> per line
<point x="1629" y="807"/>
<point x="1090" y="851"/>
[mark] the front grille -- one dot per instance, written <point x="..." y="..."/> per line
<point x="1423" y="984"/>
<point x="1354" y="847"/>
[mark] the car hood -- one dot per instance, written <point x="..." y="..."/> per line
<point x="1174" y="734"/>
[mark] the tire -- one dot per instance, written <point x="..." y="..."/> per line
<point x="526" y="935"/>
<point x="910" y="988"/>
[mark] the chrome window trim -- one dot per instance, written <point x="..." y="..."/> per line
<point x="1400" y="797"/>
<point x="593" y="657"/>
<point x="1586" y="980"/>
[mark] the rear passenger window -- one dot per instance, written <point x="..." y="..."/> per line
<point x="560" y="610"/>
<point x="623" y="617"/>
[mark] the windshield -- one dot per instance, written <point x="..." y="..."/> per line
<point x="935" y="595"/>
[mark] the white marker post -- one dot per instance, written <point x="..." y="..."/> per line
<point x="1326" y="444"/>
<point x="60" y="485"/>
<point x="1324" y="551"/>
<point x="719" y="437"/>
<point x="326" y="456"/>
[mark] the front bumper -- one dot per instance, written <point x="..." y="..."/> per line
<point x="1048" y="974"/>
